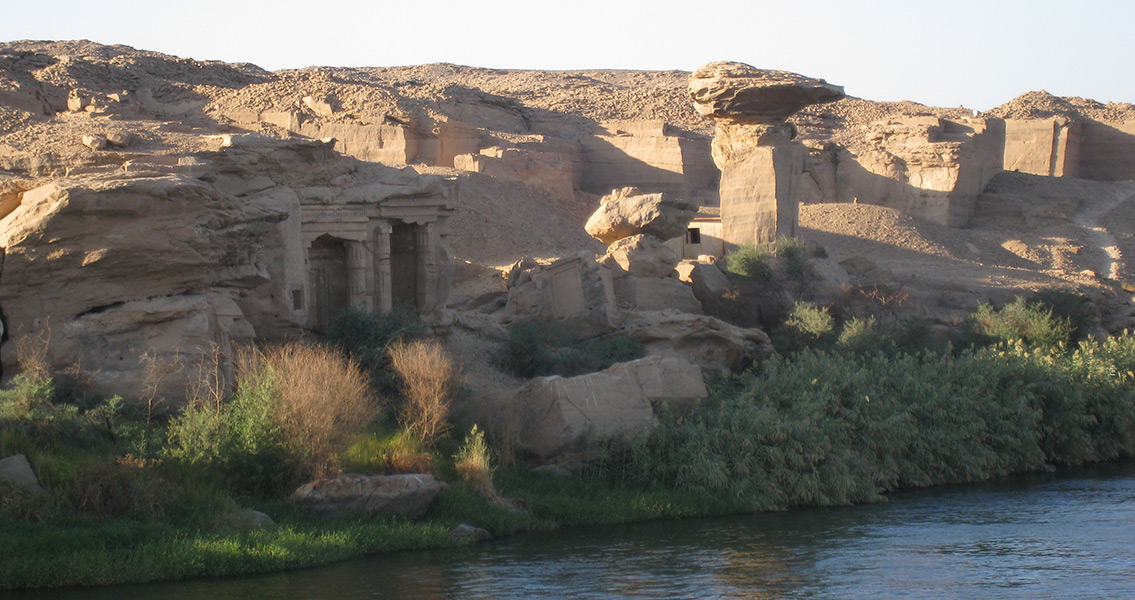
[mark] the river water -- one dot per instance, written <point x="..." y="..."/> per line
<point x="1069" y="534"/>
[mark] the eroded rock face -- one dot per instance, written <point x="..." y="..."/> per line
<point x="406" y="496"/>
<point x="705" y="341"/>
<point x="740" y="92"/>
<point x="560" y="413"/>
<point x="761" y="167"/>
<point x="626" y="212"/>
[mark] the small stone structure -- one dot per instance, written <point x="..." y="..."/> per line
<point x="761" y="167"/>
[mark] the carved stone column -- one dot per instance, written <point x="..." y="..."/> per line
<point x="358" y="295"/>
<point x="427" y="269"/>
<point x="384" y="298"/>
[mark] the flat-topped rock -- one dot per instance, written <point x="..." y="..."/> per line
<point x="740" y="92"/>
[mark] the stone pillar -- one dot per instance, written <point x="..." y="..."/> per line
<point x="762" y="169"/>
<point x="427" y="269"/>
<point x="383" y="293"/>
<point x="358" y="296"/>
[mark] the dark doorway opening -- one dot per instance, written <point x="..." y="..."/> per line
<point x="404" y="267"/>
<point x="327" y="261"/>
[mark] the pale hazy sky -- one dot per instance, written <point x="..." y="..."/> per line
<point x="976" y="53"/>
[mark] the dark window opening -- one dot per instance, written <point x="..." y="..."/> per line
<point x="693" y="235"/>
<point x="297" y="299"/>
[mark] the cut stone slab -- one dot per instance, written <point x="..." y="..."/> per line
<point x="16" y="469"/>
<point x="649" y="293"/>
<point x="406" y="496"/>
<point x="558" y="413"/>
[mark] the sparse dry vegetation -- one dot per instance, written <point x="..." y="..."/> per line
<point x="429" y="377"/>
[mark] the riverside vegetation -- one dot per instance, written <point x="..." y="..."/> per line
<point x="848" y="414"/>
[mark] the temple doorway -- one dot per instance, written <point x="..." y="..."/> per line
<point x="327" y="261"/>
<point x="404" y="267"/>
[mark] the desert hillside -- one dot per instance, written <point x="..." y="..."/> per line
<point x="488" y="166"/>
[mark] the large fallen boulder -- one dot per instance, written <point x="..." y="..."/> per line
<point x="627" y="211"/>
<point x="640" y="255"/>
<point x="558" y="413"/>
<point x="407" y="496"/>
<point x="705" y="341"/>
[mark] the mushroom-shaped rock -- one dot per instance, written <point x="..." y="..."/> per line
<point x="740" y="92"/>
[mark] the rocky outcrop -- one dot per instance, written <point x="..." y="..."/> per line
<point x="408" y="496"/>
<point x="738" y="92"/>
<point x="558" y="414"/>
<point x="627" y="212"/>
<point x="702" y="340"/>
<point x="165" y="259"/>
<point x="761" y="168"/>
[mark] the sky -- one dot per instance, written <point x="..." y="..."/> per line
<point x="973" y="53"/>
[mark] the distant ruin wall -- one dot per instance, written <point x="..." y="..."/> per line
<point x="1107" y="151"/>
<point x="648" y="156"/>
<point x="1043" y="146"/>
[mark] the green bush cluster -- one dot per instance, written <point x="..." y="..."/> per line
<point x="751" y="261"/>
<point x="366" y="337"/>
<point x="824" y="428"/>
<point x="1031" y="322"/>
<point x="535" y="349"/>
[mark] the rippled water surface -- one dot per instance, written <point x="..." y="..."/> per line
<point x="1066" y="535"/>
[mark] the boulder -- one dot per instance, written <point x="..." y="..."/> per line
<point x="705" y="278"/>
<point x="626" y="212"/>
<point x="640" y="255"/>
<point x="247" y="519"/>
<point x="121" y="139"/>
<point x="17" y="470"/>
<point x="94" y="142"/>
<point x="558" y="413"/>
<point x="737" y="91"/>
<point x="705" y="341"/>
<point x="406" y="496"/>
<point x="651" y="293"/>
<point x="468" y="532"/>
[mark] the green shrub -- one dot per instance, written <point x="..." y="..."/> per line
<point x="535" y="349"/>
<point x="794" y="252"/>
<point x="399" y="452"/>
<point x="807" y="326"/>
<point x="122" y="488"/>
<point x="366" y="337"/>
<point x="860" y="335"/>
<point x="475" y="466"/>
<point x="1071" y="305"/>
<point x="750" y="261"/>
<point x="833" y="428"/>
<point x="1018" y="320"/>
<point x="294" y="409"/>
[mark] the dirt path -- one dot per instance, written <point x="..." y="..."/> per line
<point x="1089" y="218"/>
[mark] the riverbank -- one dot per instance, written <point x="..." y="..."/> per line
<point x="825" y="426"/>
